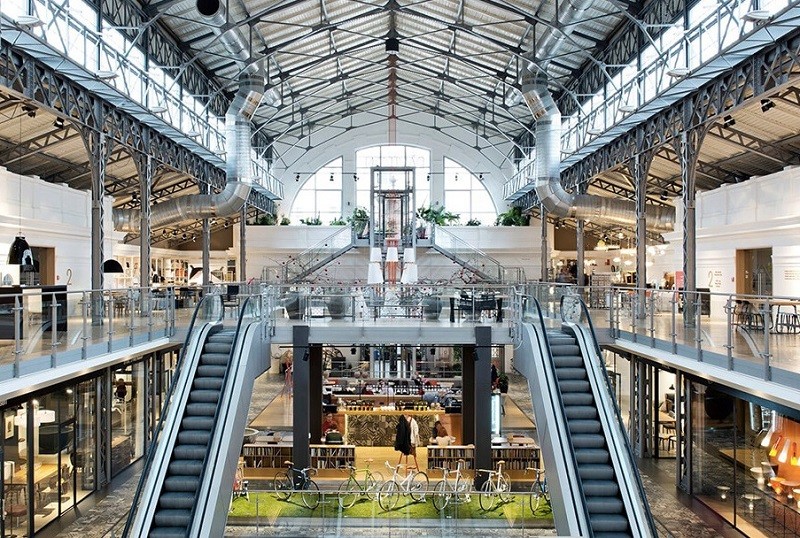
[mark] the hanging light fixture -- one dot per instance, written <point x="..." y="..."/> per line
<point x="409" y="275"/>
<point x="783" y="457"/>
<point x="20" y="251"/>
<point x="765" y="442"/>
<point x="374" y="273"/>
<point x="774" y="450"/>
<point x="112" y="266"/>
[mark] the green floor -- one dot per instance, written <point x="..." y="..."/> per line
<point x="266" y="505"/>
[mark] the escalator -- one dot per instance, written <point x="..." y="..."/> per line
<point x="594" y="481"/>
<point x="607" y="512"/>
<point x="173" y="515"/>
<point x="188" y="474"/>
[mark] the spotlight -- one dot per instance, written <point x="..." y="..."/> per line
<point x="226" y="223"/>
<point x="355" y="177"/>
<point x="456" y="177"/>
<point x="59" y="123"/>
<point x="352" y="351"/>
<point x="183" y="235"/>
<point x="480" y="177"/>
<point x="297" y="177"/>
<point x="728" y="121"/>
<point x="428" y="178"/>
<point x="766" y="104"/>
<point x="331" y="176"/>
<point x="174" y="233"/>
<point x="664" y="195"/>
<point x="29" y="110"/>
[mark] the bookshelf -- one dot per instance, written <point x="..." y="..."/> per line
<point x="262" y="460"/>
<point x="517" y="458"/>
<point x="448" y="456"/>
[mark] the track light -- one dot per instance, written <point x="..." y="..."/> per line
<point x="59" y="123"/>
<point x="29" y="110"/>
<point x="355" y="177"/>
<point x="766" y="104"/>
<point x="428" y="177"/>
<point x="480" y="177"/>
<point x="456" y="177"/>
<point x="183" y="235"/>
<point x="331" y="176"/>
<point x="664" y="195"/>
<point x="297" y="177"/>
<point x="728" y="121"/>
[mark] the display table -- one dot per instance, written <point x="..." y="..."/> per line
<point x="378" y="427"/>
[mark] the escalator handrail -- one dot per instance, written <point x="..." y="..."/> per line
<point x="618" y="414"/>
<point x="553" y="381"/>
<point x="225" y="378"/>
<point x="167" y="400"/>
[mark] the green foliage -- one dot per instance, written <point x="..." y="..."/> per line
<point x="512" y="217"/>
<point x="338" y="221"/>
<point x="285" y="221"/>
<point x="267" y="219"/>
<point x="359" y="215"/>
<point x="312" y="221"/>
<point x="473" y="222"/>
<point x="502" y="383"/>
<point x="437" y="214"/>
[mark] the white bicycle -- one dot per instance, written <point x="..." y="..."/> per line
<point x="414" y="484"/>
<point x="446" y="490"/>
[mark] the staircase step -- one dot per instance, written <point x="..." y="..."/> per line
<point x="591" y="455"/>
<point x="211" y="370"/>
<point x="588" y="440"/>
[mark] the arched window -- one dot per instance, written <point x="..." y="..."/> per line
<point x="465" y="195"/>
<point x="394" y="156"/>
<point x="321" y="195"/>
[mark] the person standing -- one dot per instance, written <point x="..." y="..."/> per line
<point x="413" y="430"/>
<point x="402" y="439"/>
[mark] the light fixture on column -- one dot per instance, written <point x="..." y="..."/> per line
<point x="409" y="275"/>
<point x="374" y="273"/>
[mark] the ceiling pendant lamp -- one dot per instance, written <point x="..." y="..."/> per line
<point x="20" y="252"/>
<point x="774" y="450"/>
<point x="765" y="442"/>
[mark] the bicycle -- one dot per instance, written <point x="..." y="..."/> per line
<point x="539" y="490"/>
<point x="497" y="485"/>
<point x="352" y="488"/>
<point x="443" y="492"/>
<point x="286" y="482"/>
<point x="415" y="484"/>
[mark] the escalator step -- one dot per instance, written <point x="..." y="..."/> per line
<point x="194" y="437"/>
<point x="189" y="452"/>
<point x="612" y="534"/>
<point x="201" y="409"/>
<point x="222" y="336"/>
<point x="559" y="350"/>
<point x="588" y="440"/>
<point x="173" y="518"/>
<point x="568" y="361"/>
<point x="211" y="370"/>
<point x="176" y="501"/>
<point x="584" y="412"/>
<point x="167" y="532"/>
<point x="604" y="505"/>
<point x="204" y="396"/>
<point x="584" y="426"/>
<point x="207" y="383"/>
<point x="197" y="423"/>
<point x="574" y="385"/>
<point x="570" y="373"/>
<point x="591" y="455"/>
<point x="217" y="347"/>
<point x="185" y="468"/>
<point x="181" y="483"/>
<point x="577" y="398"/>
<point x="592" y="471"/>
<point x="209" y="359"/>
<point x="600" y="488"/>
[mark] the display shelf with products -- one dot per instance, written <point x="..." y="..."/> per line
<point x="332" y="457"/>
<point x="264" y="459"/>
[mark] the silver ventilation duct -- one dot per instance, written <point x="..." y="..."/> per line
<point x="214" y="14"/>
<point x="547" y="181"/>
<point x="237" y="146"/>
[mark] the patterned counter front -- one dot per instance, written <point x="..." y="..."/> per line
<point x="377" y="428"/>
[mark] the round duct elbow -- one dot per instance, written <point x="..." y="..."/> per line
<point x="212" y="11"/>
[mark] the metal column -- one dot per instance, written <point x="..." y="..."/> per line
<point x="579" y="247"/>
<point x="301" y="376"/>
<point x="97" y="147"/>
<point x="145" y="166"/>
<point x="545" y="251"/>
<point x="468" y="403"/>
<point x="243" y="244"/>
<point x="315" y="392"/>
<point x="206" y="243"/>
<point x="482" y="386"/>
<point x="640" y="167"/>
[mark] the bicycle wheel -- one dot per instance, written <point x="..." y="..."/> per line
<point x="441" y="496"/>
<point x="487" y="496"/>
<point x="504" y="488"/>
<point x="310" y="494"/>
<point x="282" y="486"/>
<point x="462" y="490"/>
<point x="419" y="486"/>
<point x="348" y="493"/>
<point x="389" y="495"/>
<point x="536" y="495"/>
<point x="373" y="485"/>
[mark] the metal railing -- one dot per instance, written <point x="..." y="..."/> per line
<point x="472" y="259"/>
<point x="315" y="257"/>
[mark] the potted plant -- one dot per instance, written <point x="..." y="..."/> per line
<point x="267" y="219"/>
<point x="285" y="221"/>
<point x="336" y="303"/>
<point x="359" y="220"/>
<point x="502" y="383"/>
<point x="434" y="214"/>
<point x="473" y="222"/>
<point x="512" y="217"/>
<point x="338" y="221"/>
<point x="312" y="221"/>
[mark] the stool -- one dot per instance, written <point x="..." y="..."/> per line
<point x="723" y="492"/>
<point x="17" y="511"/>
<point x="751" y="499"/>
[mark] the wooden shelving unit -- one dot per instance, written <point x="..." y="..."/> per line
<point x="264" y="460"/>
<point x="332" y="456"/>
<point x="448" y="456"/>
<point x="517" y="458"/>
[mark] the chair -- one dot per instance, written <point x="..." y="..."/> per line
<point x="230" y="299"/>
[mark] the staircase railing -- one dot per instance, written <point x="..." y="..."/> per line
<point x="209" y="309"/>
<point x="473" y="259"/>
<point x="319" y="255"/>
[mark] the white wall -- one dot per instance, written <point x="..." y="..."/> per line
<point x="54" y="216"/>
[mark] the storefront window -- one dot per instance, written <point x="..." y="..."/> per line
<point x="15" y="470"/>
<point x="85" y="428"/>
<point x="127" y="415"/>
